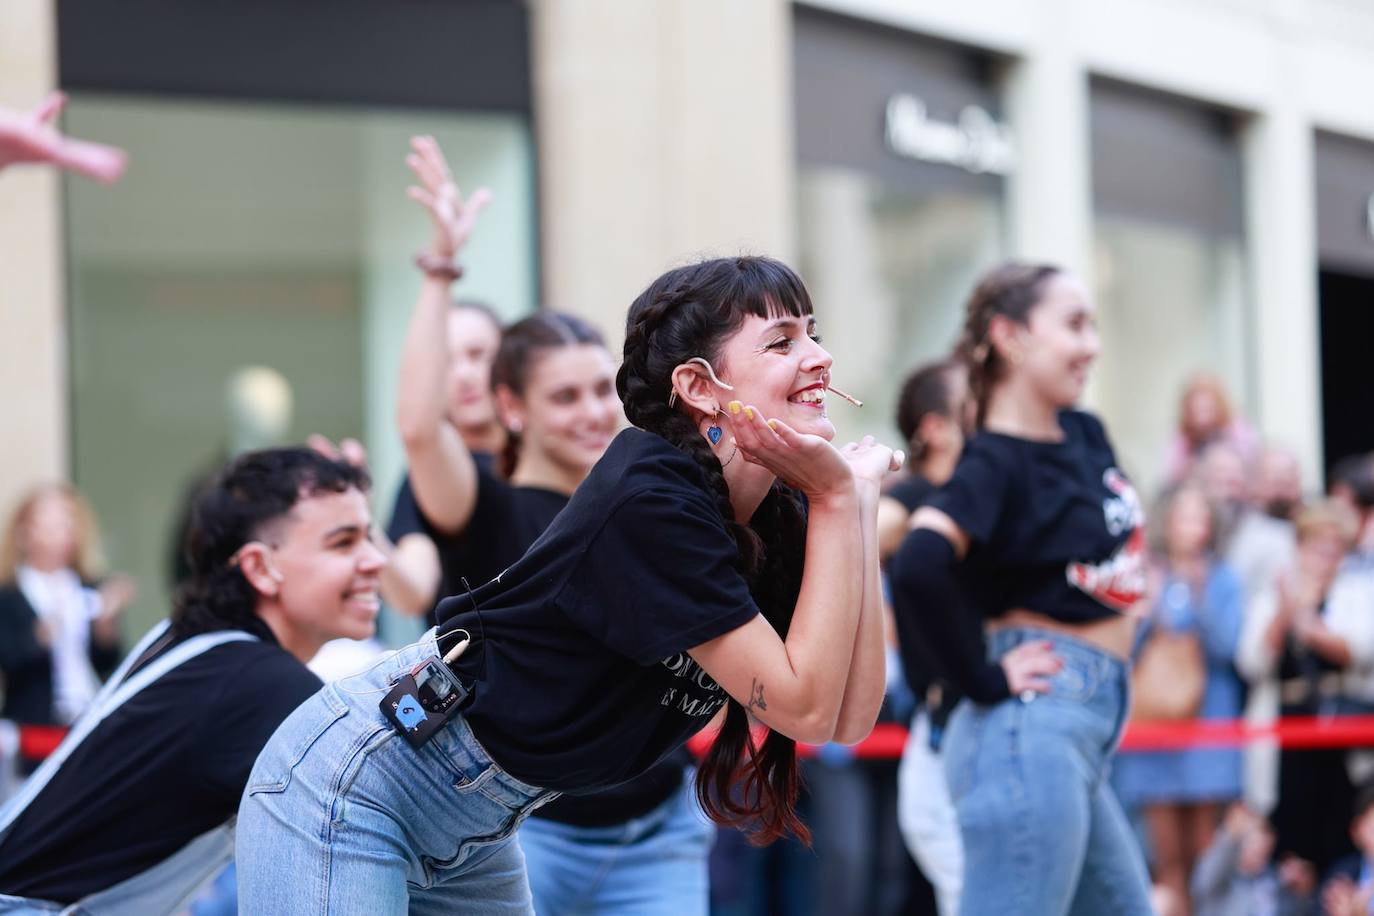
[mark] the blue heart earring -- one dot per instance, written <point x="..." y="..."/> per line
<point x="714" y="433"/>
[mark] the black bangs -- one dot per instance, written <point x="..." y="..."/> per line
<point x="766" y="288"/>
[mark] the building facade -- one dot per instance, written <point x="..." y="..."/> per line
<point x="1206" y="165"/>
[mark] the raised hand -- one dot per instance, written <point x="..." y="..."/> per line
<point x="348" y="450"/>
<point x="116" y="594"/>
<point x="32" y="137"/>
<point x="451" y="216"/>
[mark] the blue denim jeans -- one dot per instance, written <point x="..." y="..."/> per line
<point x="342" y="816"/>
<point x="651" y="865"/>
<point x="1042" y="831"/>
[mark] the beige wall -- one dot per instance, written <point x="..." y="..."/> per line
<point x="33" y="406"/>
<point x="664" y="132"/>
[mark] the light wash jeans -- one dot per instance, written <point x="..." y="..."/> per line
<point x="1043" y="833"/>
<point x="342" y="816"/>
<point x="653" y="865"/>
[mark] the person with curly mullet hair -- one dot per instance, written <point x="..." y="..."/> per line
<point x="132" y="811"/>
<point x="684" y="577"/>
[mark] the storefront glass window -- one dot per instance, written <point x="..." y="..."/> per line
<point x="254" y="235"/>
<point x="902" y="158"/>
<point x="1169" y="265"/>
<point x="889" y="270"/>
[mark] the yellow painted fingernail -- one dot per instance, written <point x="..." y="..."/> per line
<point x="748" y="413"/>
<point x="734" y="407"/>
<point x="772" y="424"/>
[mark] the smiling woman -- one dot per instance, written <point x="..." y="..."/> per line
<point x="1037" y="535"/>
<point x="682" y="578"/>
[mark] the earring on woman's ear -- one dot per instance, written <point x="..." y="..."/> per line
<point x="672" y="393"/>
<point x="714" y="433"/>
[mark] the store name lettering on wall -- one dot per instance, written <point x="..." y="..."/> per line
<point x="976" y="142"/>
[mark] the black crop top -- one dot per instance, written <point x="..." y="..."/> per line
<point x="1055" y="527"/>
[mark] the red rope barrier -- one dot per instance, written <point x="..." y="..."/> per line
<point x="38" y="741"/>
<point x="1307" y="732"/>
<point x="887" y="740"/>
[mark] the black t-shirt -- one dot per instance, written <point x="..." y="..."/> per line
<point x="165" y="767"/>
<point x="583" y="680"/>
<point x="505" y="521"/>
<point x="1055" y="527"/>
<point x="912" y="492"/>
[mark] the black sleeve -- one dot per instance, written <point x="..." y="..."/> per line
<point x="912" y="493"/>
<point x="975" y="496"/>
<point x="256" y="699"/>
<point x="105" y="659"/>
<point x="659" y="578"/>
<point x="929" y="605"/>
<point x="20" y="651"/>
<point x="493" y="503"/>
<point x="405" y="514"/>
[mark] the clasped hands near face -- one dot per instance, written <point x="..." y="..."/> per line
<point x="807" y="461"/>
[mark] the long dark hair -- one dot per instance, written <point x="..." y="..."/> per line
<point x="521" y="343"/>
<point x="251" y="492"/>
<point x="1012" y="290"/>
<point x="687" y="312"/>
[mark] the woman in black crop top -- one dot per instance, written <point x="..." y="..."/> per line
<point x="681" y="578"/>
<point x="1037" y="536"/>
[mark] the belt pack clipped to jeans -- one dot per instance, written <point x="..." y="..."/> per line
<point x="423" y="701"/>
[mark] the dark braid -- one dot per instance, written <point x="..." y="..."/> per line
<point x="1012" y="290"/>
<point x="687" y="312"/>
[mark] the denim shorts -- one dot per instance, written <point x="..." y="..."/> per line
<point x="1042" y="831"/>
<point x="341" y="815"/>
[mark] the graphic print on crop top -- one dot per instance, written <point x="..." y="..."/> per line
<point x="1117" y="582"/>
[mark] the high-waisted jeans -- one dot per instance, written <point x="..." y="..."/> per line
<point x="1042" y="831"/>
<point x="342" y="816"/>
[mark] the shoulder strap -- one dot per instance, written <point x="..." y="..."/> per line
<point x="114" y="694"/>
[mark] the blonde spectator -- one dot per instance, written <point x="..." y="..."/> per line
<point x="1205" y="417"/>
<point x="58" y="631"/>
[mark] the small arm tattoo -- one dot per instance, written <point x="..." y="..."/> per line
<point x="756" y="696"/>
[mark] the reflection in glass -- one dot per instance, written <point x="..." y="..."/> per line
<point x="889" y="270"/>
<point x="1171" y="302"/>
<point x="257" y="235"/>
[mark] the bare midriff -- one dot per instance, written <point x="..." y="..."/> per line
<point x="1114" y="635"/>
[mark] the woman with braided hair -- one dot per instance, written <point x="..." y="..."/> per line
<point x="683" y="576"/>
<point x="553" y="382"/>
<point x="1038" y="536"/>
